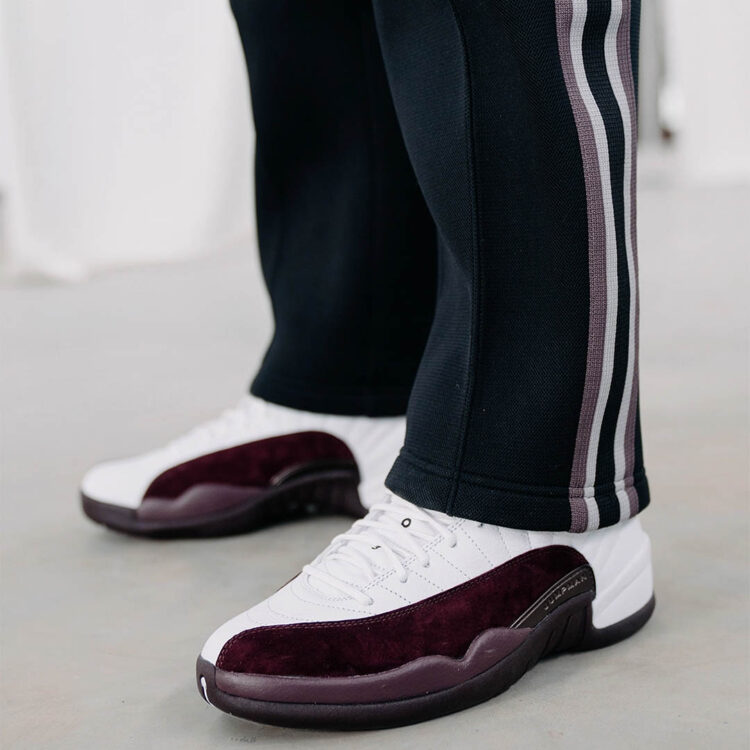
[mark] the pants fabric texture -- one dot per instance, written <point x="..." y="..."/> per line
<point x="446" y="218"/>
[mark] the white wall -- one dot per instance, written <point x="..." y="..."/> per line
<point x="709" y="64"/>
<point x="124" y="132"/>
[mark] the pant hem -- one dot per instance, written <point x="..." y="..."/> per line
<point x="528" y="507"/>
<point x="345" y="401"/>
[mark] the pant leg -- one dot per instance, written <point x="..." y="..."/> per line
<point x="519" y="118"/>
<point x="347" y="244"/>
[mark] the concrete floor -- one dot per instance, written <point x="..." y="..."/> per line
<point x="100" y="631"/>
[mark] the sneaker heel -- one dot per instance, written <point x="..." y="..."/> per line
<point x="594" y="638"/>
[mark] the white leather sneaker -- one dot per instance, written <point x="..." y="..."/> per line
<point x="414" y="614"/>
<point x="257" y="464"/>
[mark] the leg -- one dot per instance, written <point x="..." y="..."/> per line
<point x="524" y="410"/>
<point x="346" y="242"/>
<point x="348" y="252"/>
<point x="519" y="118"/>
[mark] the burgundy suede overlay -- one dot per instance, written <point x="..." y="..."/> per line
<point x="250" y="465"/>
<point x="418" y="677"/>
<point x="444" y="624"/>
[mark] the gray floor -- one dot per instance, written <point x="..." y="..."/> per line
<point x="100" y="631"/>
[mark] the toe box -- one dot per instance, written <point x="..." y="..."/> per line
<point x="121" y="482"/>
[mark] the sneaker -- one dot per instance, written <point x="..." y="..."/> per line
<point x="257" y="464"/>
<point x="413" y="614"/>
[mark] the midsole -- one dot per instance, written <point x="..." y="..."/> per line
<point x="232" y="502"/>
<point x="203" y="500"/>
<point x="427" y="674"/>
<point x="424" y="675"/>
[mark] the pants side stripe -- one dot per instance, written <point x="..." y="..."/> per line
<point x="571" y="20"/>
<point x="612" y="51"/>
<point x="625" y="62"/>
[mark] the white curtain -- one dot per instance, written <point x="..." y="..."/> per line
<point x="125" y="133"/>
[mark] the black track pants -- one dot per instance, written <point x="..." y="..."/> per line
<point x="446" y="214"/>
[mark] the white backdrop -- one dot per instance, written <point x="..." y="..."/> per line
<point x="124" y="133"/>
<point x="709" y="60"/>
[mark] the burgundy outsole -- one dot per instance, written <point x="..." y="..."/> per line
<point x="567" y="628"/>
<point x="326" y="491"/>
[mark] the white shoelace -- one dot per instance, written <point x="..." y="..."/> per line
<point x="236" y="419"/>
<point x="395" y="529"/>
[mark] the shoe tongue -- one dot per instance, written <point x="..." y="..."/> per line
<point x="379" y="559"/>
